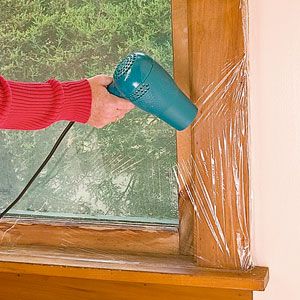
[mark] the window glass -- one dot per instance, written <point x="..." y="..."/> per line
<point x="122" y="172"/>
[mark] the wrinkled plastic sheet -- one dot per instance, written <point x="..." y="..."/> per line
<point x="202" y="179"/>
<point x="215" y="179"/>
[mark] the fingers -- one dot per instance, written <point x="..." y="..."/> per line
<point x="106" y="108"/>
<point x="103" y="80"/>
<point x="122" y="104"/>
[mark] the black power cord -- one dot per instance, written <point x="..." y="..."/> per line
<point x="36" y="174"/>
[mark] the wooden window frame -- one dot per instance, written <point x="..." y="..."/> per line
<point x="170" y="244"/>
<point x="138" y="238"/>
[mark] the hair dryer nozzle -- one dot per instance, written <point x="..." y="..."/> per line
<point x="146" y="84"/>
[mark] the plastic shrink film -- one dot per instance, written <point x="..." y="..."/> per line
<point x="213" y="181"/>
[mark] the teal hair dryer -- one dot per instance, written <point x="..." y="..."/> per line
<point x="147" y="85"/>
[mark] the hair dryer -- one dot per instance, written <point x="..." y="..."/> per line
<point x="147" y="85"/>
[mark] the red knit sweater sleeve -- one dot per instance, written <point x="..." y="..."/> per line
<point x="30" y="106"/>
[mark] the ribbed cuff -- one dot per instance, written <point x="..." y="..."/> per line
<point x="77" y="101"/>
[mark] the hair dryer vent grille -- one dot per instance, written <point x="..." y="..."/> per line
<point x="125" y="65"/>
<point x="140" y="91"/>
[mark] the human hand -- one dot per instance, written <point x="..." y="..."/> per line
<point x="106" y="108"/>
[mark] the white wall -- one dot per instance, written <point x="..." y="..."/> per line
<point x="275" y="144"/>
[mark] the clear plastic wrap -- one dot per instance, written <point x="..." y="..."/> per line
<point x="213" y="185"/>
<point x="214" y="180"/>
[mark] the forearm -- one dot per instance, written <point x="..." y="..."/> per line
<point x="30" y="106"/>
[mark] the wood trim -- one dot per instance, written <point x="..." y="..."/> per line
<point x="184" y="138"/>
<point x="105" y="237"/>
<point x="209" y="50"/>
<point x="208" y="36"/>
<point x="218" y="84"/>
<point x="15" y="287"/>
<point x="164" y="270"/>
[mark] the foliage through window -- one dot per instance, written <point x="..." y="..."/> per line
<point x="121" y="172"/>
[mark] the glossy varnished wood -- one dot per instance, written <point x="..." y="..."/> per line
<point x="95" y="237"/>
<point x="184" y="138"/>
<point x="218" y="84"/>
<point x="43" y="264"/>
<point x="15" y="287"/>
<point x="208" y="36"/>
<point x="165" y="270"/>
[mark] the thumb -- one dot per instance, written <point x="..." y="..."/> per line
<point x="104" y="80"/>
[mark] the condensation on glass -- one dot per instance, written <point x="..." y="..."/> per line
<point x="122" y="172"/>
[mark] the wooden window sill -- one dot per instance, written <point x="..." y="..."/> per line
<point x="163" y="270"/>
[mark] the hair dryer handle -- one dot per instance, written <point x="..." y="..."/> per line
<point x="113" y="90"/>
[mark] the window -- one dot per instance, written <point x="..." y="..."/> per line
<point x="123" y="172"/>
<point x="208" y="42"/>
